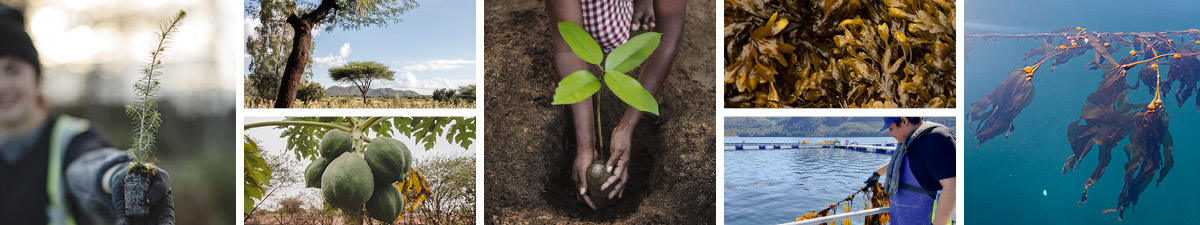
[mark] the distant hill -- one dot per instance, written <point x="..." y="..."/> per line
<point x="353" y="91"/>
<point x="730" y="133"/>
<point x="813" y="126"/>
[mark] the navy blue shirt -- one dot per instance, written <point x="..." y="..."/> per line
<point x="932" y="157"/>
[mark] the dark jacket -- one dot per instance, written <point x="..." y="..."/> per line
<point x="24" y="195"/>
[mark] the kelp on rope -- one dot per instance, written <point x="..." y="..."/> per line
<point x="1107" y="117"/>
<point x="873" y="197"/>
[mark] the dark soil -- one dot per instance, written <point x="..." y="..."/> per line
<point x="136" y="186"/>
<point x="530" y="143"/>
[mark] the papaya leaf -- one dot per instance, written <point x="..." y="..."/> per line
<point x="581" y="42"/>
<point x="575" y="88"/>
<point x="633" y="52"/>
<point x="630" y="91"/>
<point x="414" y="188"/>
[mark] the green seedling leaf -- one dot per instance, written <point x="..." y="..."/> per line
<point x="576" y="87"/>
<point x="581" y="42"/>
<point x="630" y="91"/>
<point x="633" y="52"/>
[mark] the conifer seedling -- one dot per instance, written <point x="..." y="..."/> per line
<point x="146" y="119"/>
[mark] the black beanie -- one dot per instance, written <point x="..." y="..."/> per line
<point x="14" y="41"/>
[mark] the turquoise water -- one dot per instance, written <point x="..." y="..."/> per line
<point x="776" y="186"/>
<point x="1019" y="180"/>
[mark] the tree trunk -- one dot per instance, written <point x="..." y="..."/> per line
<point x="353" y="217"/>
<point x="299" y="57"/>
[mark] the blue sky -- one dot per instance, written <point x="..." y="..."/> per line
<point x="433" y="47"/>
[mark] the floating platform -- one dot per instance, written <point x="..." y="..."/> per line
<point x="876" y="148"/>
<point x="867" y="148"/>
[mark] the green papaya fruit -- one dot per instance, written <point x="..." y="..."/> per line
<point x="312" y="174"/>
<point x="347" y="182"/>
<point x="386" y="204"/>
<point x="335" y="143"/>
<point x="389" y="159"/>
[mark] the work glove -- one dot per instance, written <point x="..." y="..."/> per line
<point x="874" y="179"/>
<point x="158" y="195"/>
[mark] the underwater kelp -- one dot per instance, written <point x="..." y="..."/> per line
<point x="1106" y="116"/>
<point x="997" y="110"/>
<point x="839" y="53"/>
<point x="873" y="197"/>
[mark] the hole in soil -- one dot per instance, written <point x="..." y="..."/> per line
<point x="560" y="193"/>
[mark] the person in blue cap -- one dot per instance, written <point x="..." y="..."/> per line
<point x="921" y="174"/>
<point x="58" y="169"/>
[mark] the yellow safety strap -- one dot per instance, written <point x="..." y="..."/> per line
<point x="65" y="129"/>
<point x="934" y="214"/>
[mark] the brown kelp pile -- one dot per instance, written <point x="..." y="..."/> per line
<point x="873" y="197"/>
<point x="1107" y="117"/>
<point x="839" y="53"/>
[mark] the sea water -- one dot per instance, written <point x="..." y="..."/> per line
<point x="777" y="185"/>
<point x="1019" y="180"/>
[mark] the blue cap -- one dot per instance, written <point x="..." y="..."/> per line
<point x="887" y="122"/>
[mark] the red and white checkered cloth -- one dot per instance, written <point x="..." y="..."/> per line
<point x="607" y="21"/>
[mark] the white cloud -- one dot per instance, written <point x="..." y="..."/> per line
<point x="345" y="50"/>
<point x="405" y="80"/>
<point x="438" y="64"/>
<point x="250" y="23"/>
<point x="334" y="60"/>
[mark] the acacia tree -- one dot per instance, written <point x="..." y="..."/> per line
<point x="330" y="14"/>
<point x="361" y="74"/>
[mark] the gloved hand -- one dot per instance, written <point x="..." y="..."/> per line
<point x="871" y="181"/>
<point x="162" y="208"/>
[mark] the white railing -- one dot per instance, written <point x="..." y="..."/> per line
<point x="838" y="217"/>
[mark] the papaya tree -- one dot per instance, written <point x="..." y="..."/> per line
<point x="360" y="168"/>
<point x="330" y="15"/>
<point x="361" y="74"/>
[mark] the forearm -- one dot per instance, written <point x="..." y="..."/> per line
<point x="670" y="15"/>
<point x="945" y="203"/>
<point x="88" y="181"/>
<point x="565" y="63"/>
<point x="882" y="170"/>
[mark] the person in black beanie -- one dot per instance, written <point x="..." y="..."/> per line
<point x="58" y="169"/>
